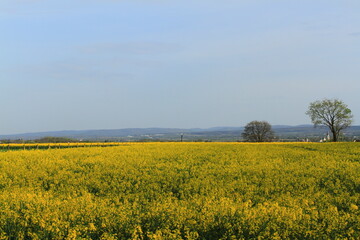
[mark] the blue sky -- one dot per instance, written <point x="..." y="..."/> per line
<point x="104" y="64"/>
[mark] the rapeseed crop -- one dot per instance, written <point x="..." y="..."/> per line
<point x="28" y="146"/>
<point x="182" y="191"/>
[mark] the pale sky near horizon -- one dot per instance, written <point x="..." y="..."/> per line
<point x="109" y="64"/>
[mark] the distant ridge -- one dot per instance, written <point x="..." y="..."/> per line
<point x="90" y="134"/>
<point x="213" y="134"/>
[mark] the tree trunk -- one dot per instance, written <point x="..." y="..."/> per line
<point x="335" y="135"/>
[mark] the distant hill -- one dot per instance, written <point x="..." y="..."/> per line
<point x="284" y="132"/>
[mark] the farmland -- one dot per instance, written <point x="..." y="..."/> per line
<point x="29" y="146"/>
<point x="181" y="191"/>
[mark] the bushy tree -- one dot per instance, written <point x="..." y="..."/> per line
<point x="332" y="113"/>
<point x="258" y="131"/>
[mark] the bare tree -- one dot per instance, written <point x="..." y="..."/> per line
<point x="332" y="113"/>
<point x="258" y="131"/>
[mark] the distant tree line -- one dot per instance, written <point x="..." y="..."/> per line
<point x="332" y="113"/>
<point x="42" y="140"/>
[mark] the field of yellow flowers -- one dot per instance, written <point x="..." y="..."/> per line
<point x="182" y="191"/>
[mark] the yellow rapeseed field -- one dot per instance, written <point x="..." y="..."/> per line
<point x="181" y="191"/>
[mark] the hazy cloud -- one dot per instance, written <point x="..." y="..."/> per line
<point x="66" y="73"/>
<point x="355" y="34"/>
<point x="131" y="48"/>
